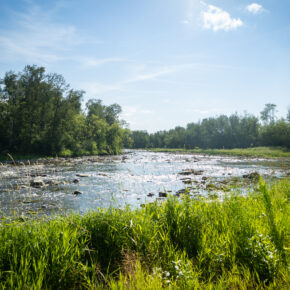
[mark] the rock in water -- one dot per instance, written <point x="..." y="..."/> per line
<point x="37" y="183"/>
<point x="162" y="194"/>
<point x="76" y="192"/>
<point x="82" y="175"/>
<point x="253" y="175"/>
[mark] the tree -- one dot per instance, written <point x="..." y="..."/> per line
<point x="39" y="113"/>
<point x="268" y="114"/>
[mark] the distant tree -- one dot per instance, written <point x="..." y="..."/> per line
<point x="268" y="114"/>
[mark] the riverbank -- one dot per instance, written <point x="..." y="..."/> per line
<point x="186" y="243"/>
<point x="30" y="158"/>
<point x="264" y="152"/>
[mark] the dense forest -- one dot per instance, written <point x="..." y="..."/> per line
<point x="228" y="132"/>
<point x="41" y="114"/>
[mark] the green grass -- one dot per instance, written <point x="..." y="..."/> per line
<point x="266" y="152"/>
<point x="240" y="243"/>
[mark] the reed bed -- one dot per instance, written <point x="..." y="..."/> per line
<point x="241" y="242"/>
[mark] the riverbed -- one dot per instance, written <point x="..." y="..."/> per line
<point x="134" y="178"/>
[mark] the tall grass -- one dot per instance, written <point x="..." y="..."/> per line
<point x="240" y="243"/>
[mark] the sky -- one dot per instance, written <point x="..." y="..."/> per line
<point x="166" y="62"/>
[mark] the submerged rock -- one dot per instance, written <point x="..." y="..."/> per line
<point x="182" y="191"/>
<point x="76" y="192"/>
<point x="82" y="175"/>
<point x="162" y="194"/>
<point x="191" y="172"/>
<point x="37" y="183"/>
<point x="253" y="176"/>
<point x="53" y="182"/>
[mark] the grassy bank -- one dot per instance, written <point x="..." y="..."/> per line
<point x="239" y="243"/>
<point x="266" y="152"/>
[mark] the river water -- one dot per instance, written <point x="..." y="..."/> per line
<point x="134" y="178"/>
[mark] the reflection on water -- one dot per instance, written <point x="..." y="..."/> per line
<point x="118" y="180"/>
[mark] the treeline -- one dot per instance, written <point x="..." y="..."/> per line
<point x="228" y="132"/>
<point x="41" y="114"/>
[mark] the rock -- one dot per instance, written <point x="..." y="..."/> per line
<point x="82" y="175"/>
<point x="182" y="191"/>
<point x="76" y="180"/>
<point x="187" y="181"/>
<point x="212" y="186"/>
<point x="204" y="178"/>
<point x="191" y="172"/>
<point x="150" y="194"/>
<point x="76" y="192"/>
<point x="53" y="182"/>
<point x="162" y="194"/>
<point x="253" y="176"/>
<point x="103" y="174"/>
<point x="37" y="183"/>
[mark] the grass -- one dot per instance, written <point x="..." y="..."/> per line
<point x="265" y="152"/>
<point x="240" y="243"/>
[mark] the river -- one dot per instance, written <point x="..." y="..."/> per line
<point x="134" y="178"/>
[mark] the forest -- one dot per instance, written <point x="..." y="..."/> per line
<point x="234" y="131"/>
<point x="41" y="114"/>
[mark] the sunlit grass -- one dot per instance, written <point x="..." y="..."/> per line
<point x="246" y="152"/>
<point x="239" y="243"/>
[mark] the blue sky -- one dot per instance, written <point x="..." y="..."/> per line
<point x="166" y="62"/>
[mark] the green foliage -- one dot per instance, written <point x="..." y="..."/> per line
<point x="39" y="114"/>
<point x="221" y="132"/>
<point x="240" y="242"/>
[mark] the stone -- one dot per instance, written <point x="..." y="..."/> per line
<point x="37" y="183"/>
<point x="253" y="175"/>
<point x="191" y="172"/>
<point x="76" y="192"/>
<point x="82" y="175"/>
<point x="182" y="191"/>
<point x="150" y="194"/>
<point x="162" y="194"/>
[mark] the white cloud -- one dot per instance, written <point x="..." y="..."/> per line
<point x="216" y="19"/>
<point x="255" y="8"/>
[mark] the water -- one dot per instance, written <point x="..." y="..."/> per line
<point x="120" y="180"/>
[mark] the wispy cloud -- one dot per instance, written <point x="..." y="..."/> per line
<point x="96" y="62"/>
<point x="166" y="70"/>
<point x="216" y="19"/>
<point x="35" y="38"/>
<point x="97" y="89"/>
<point x="255" y="8"/>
